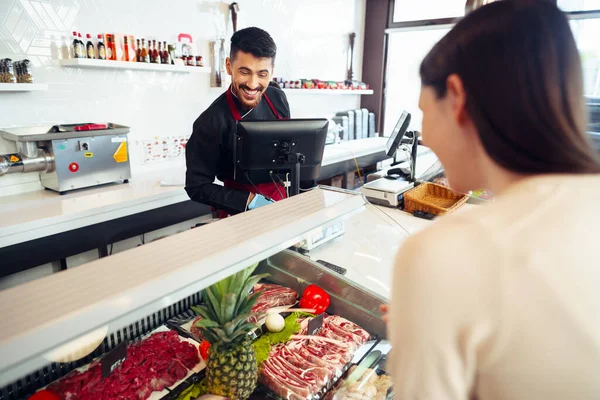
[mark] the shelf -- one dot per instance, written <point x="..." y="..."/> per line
<point x="331" y="92"/>
<point x="23" y="87"/>
<point x="107" y="64"/>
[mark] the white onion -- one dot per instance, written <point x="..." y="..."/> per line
<point x="274" y="322"/>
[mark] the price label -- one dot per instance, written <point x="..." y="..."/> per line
<point x="112" y="360"/>
<point x="316" y="324"/>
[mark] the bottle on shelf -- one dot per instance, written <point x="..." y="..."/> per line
<point x="165" y="54"/>
<point x="101" y="48"/>
<point x="111" y="49"/>
<point x="172" y="54"/>
<point x="138" y="51"/>
<point x="125" y="49"/>
<point x="155" y="58"/>
<point x="81" y="45"/>
<point x="160" y="53"/>
<point x="65" y="47"/>
<point x="89" y="47"/>
<point x="77" y="50"/>
<point x="144" y="54"/>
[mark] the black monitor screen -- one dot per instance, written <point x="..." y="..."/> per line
<point x="397" y="134"/>
<point x="261" y="145"/>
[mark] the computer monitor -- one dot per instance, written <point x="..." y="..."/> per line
<point x="266" y="148"/>
<point x="397" y="134"/>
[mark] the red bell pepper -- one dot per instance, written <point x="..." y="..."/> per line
<point x="316" y="298"/>
<point x="204" y="347"/>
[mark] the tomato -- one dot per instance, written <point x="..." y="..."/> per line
<point x="316" y="298"/>
<point x="44" y="395"/>
<point x="204" y="346"/>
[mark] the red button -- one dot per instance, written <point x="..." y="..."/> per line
<point x="73" y="167"/>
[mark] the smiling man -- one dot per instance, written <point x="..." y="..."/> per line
<point x="209" y="152"/>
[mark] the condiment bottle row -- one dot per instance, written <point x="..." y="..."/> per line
<point x="127" y="48"/>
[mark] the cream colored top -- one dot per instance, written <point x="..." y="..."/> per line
<point x="503" y="301"/>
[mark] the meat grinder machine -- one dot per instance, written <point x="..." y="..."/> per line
<point x="69" y="157"/>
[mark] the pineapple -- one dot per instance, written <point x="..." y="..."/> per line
<point x="231" y="368"/>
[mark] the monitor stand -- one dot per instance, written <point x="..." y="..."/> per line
<point x="294" y="160"/>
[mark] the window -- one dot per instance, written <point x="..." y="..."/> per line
<point x="406" y="50"/>
<point x="410" y="10"/>
<point x="579" y="5"/>
<point x="587" y="32"/>
<point x="408" y="46"/>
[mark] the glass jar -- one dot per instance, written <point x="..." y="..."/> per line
<point x="7" y="74"/>
<point x="26" y="67"/>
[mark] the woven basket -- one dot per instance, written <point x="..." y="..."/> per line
<point x="434" y="199"/>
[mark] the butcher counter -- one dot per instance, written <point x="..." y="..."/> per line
<point x="145" y="286"/>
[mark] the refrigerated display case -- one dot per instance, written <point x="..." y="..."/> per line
<point x="127" y="296"/>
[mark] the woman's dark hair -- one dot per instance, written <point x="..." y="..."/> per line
<point x="254" y="41"/>
<point x="521" y="71"/>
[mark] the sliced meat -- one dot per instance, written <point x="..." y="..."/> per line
<point x="272" y="296"/>
<point x="323" y="373"/>
<point x="276" y="295"/>
<point x="283" y="385"/>
<point x="300" y="368"/>
<point x="151" y="365"/>
<point x="348" y="329"/>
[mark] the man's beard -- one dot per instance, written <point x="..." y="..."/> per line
<point x="238" y="91"/>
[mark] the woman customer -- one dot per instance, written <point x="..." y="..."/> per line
<point x="503" y="301"/>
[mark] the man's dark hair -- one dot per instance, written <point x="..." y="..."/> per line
<point x="254" y="41"/>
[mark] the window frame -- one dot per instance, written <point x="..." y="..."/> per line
<point x="585" y="14"/>
<point x="394" y="27"/>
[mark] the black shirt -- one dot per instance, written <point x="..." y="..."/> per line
<point x="209" y="152"/>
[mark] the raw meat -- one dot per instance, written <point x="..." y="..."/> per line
<point x="272" y="296"/>
<point x="275" y="294"/>
<point x="340" y="328"/>
<point x="195" y="331"/>
<point x="302" y="367"/>
<point x="151" y="365"/>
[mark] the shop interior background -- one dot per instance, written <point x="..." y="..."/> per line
<point x="311" y="36"/>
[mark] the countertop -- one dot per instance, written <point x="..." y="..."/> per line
<point x="42" y="213"/>
<point x="369" y="245"/>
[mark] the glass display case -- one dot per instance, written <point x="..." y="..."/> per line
<point x="71" y="330"/>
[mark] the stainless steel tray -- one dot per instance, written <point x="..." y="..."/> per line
<point x="348" y="298"/>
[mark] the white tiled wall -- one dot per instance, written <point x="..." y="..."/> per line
<point x="311" y="35"/>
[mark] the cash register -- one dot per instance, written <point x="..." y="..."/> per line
<point x="388" y="190"/>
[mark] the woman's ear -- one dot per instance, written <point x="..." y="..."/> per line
<point x="457" y="98"/>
